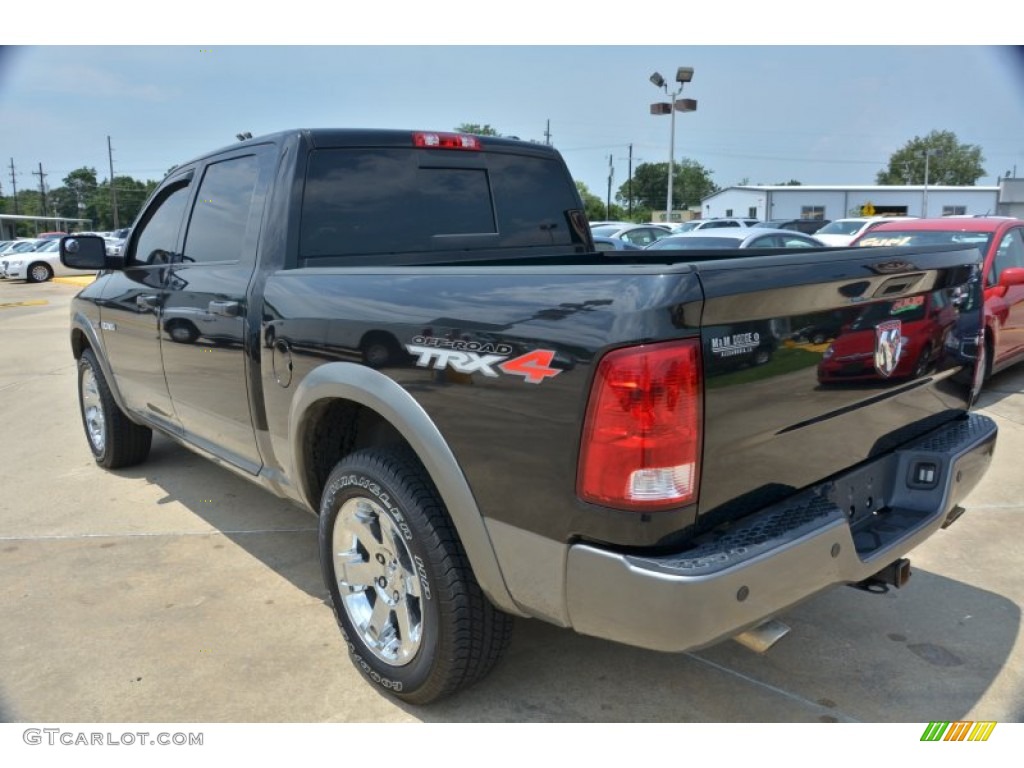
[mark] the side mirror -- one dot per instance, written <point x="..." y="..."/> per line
<point x="86" y="252"/>
<point x="1011" y="276"/>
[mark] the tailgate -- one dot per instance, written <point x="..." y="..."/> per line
<point x="817" y="362"/>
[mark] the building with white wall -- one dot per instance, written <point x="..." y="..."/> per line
<point x="837" y="202"/>
<point x="1011" y="197"/>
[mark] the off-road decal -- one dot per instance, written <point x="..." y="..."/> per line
<point x="482" y="357"/>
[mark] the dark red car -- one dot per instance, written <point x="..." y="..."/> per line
<point x="919" y="325"/>
<point x="1001" y="241"/>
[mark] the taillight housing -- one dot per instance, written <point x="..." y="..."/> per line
<point x="642" y="434"/>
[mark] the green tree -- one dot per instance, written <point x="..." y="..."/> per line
<point x="592" y="204"/>
<point x="476" y="129"/>
<point x="790" y="183"/>
<point x="691" y="184"/>
<point x="131" y="194"/>
<point x="949" y="162"/>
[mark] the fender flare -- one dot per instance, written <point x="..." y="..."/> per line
<point x="81" y="322"/>
<point x="374" y="390"/>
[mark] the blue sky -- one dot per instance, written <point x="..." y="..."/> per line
<point x="823" y="115"/>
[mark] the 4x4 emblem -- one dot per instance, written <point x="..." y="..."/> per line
<point x="888" y="347"/>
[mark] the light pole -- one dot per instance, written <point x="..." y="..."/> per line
<point x="928" y="154"/>
<point x="683" y="76"/>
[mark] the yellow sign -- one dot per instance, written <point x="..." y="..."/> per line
<point x="867" y="209"/>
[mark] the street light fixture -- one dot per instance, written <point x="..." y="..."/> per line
<point x="683" y="75"/>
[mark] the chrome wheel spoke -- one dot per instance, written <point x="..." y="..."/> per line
<point x="354" y="572"/>
<point x="408" y="628"/>
<point x="379" y="626"/>
<point x="362" y="526"/>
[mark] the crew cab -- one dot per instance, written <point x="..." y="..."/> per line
<point x="411" y="335"/>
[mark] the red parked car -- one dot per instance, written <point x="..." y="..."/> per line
<point x="920" y="323"/>
<point x="1001" y="241"/>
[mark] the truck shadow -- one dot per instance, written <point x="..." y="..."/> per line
<point x="928" y="652"/>
<point x="1002" y="385"/>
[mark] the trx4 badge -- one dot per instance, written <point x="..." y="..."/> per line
<point x="482" y="357"/>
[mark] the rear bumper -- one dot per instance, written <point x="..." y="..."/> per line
<point x="783" y="554"/>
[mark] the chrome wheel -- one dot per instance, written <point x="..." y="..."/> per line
<point x="39" y="273"/>
<point x="377" y="581"/>
<point x="92" y="411"/>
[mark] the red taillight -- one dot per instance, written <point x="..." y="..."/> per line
<point x="445" y="141"/>
<point x="641" y="438"/>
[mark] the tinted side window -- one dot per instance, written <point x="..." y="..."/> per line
<point x="221" y="211"/>
<point x="157" y="235"/>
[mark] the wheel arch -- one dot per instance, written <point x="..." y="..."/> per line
<point x="383" y="409"/>
<point x="84" y="335"/>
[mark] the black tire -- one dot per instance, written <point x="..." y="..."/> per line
<point x="924" y="362"/>
<point x="382" y="517"/>
<point x="989" y="353"/>
<point x="114" y="439"/>
<point x="182" y="332"/>
<point x="380" y="349"/>
<point x="38" y="272"/>
<point x="819" y="338"/>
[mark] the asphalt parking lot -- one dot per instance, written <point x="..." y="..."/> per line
<point x="178" y="592"/>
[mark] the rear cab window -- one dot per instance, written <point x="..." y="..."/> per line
<point x="411" y="203"/>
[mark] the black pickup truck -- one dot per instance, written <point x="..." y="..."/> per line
<point x="411" y="335"/>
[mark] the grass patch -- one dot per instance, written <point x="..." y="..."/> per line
<point x="785" y="360"/>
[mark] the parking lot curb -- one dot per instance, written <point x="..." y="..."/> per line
<point x="83" y="280"/>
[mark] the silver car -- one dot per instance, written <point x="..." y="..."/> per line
<point x="736" y="237"/>
<point x="635" y="234"/>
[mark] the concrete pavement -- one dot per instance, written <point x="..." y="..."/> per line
<point x="178" y="592"/>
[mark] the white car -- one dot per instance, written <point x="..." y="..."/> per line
<point x="635" y="234"/>
<point x="724" y="223"/>
<point x="844" y="231"/>
<point x="39" y="265"/>
<point x="15" y="247"/>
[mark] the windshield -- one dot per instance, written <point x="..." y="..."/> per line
<point x="692" y="243"/>
<point x="606" y="230"/>
<point x="841" y="228"/>
<point x="979" y="240"/>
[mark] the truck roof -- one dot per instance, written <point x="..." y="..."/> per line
<point x="364" y="137"/>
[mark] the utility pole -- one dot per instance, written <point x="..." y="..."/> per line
<point x="42" y="187"/>
<point x="629" y="182"/>
<point x="113" y="189"/>
<point x="608" y="204"/>
<point x="547" y="134"/>
<point x="14" y="186"/>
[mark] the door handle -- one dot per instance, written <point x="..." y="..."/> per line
<point x="224" y="308"/>
<point x="147" y="302"/>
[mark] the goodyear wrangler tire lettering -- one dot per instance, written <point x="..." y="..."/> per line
<point x="401" y="587"/>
